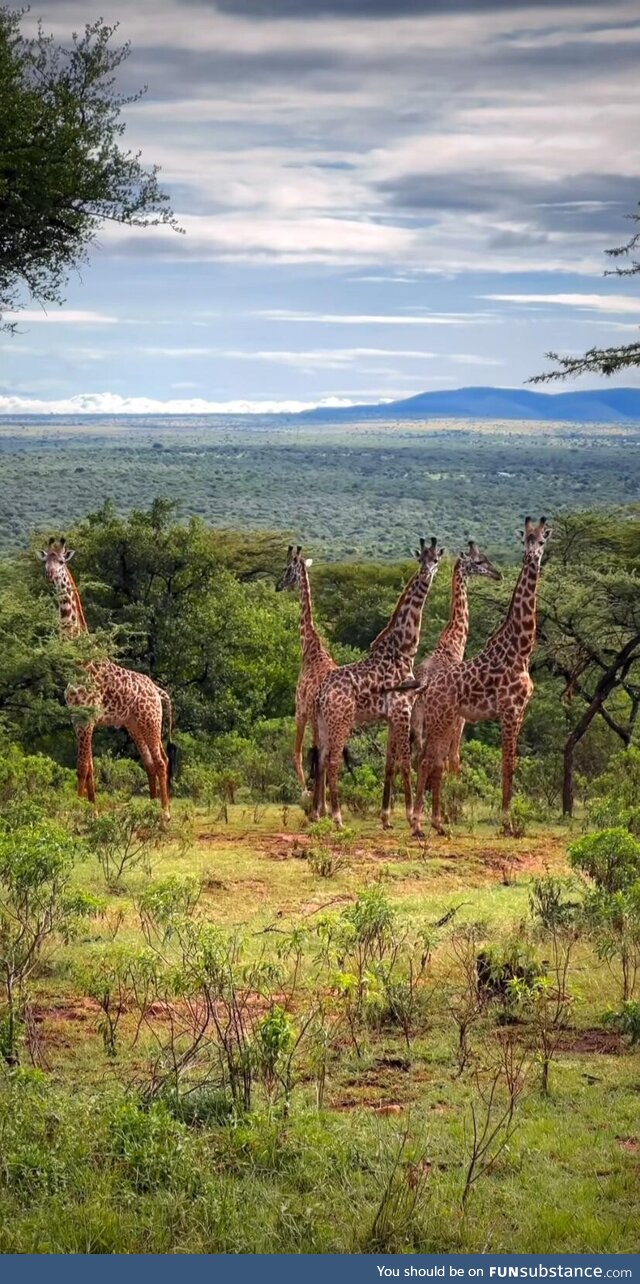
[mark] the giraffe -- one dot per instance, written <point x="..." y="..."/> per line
<point x="316" y="660"/>
<point x="494" y="685"/>
<point x="451" y="644"/>
<point x="360" y="693"/>
<point x="117" y="697"/>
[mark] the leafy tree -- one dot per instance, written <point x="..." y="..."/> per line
<point x="604" y="361"/>
<point x="63" y="170"/>
<point x="589" y="626"/>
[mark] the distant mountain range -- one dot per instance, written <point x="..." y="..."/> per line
<point x="604" y="406"/>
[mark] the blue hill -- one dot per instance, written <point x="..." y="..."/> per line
<point x="604" y="405"/>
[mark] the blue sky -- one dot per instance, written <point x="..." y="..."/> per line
<point x="378" y="196"/>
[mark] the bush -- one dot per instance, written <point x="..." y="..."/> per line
<point x="120" y="775"/>
<point x="37" y="908"/>
<point x="610" y="858"/>
<point x="626" y="1021"/>
<point x="25" y="775"/>
<point x="549" y="904"/>
<point x="122" y="839"/>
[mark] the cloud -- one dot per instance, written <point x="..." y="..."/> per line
<point x="310" y="239"/>
<point x="592" y="302"/>
<point x="343" y="318"/>
<point x="109" y="403"/>
<point x="64" y="316"/>
<point x="385" y="9"/>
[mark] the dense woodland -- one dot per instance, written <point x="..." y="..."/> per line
<point x="351" y="492"/>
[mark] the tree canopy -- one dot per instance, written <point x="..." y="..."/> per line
<point x="604" y="361"/>
<point x="63" y="169"/>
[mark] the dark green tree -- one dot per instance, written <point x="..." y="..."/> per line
<point x="589" y="625"/>
<point x="63" y="169"/>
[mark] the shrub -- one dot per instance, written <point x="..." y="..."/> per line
<point x="28" y="776"/>
<point x="122" y="839"/>
<point x="549" y="904"/>
<point x="614" y="921"/>
<point x="611" y="858"/>
<point x="626" y="1020"/>
<point x="120" y="775"/>
<point x="38" y="907"/>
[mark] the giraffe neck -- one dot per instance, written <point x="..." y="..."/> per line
<point x="309" y="637"/>
<point x="402" y="634"/>
<point x="517" y="636"/>
<point x="72" y="621"/>
<point x="453" y="640"/>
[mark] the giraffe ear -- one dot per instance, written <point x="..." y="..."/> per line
<point x="308" y="561"/>
<point x="69" y="553"/>
<point x="42" y="554"/>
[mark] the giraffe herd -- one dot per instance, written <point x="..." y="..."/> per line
<point x="427" y="711"/>
<point x="431" y="709"/>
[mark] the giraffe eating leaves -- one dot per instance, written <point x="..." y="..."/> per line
<point x="113" y="696"/>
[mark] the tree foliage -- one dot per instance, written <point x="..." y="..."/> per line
<point x="603" y="361"/>
<point x="63" y="169"/>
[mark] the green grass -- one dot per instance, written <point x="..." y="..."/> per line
<point x="84" y="1167"/>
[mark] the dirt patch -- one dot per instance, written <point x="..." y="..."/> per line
<point x="630" y="1144"/>
<point x="285" y="846"/>
<point x="596" y="1042"/>
<point x="78" y="1010"/>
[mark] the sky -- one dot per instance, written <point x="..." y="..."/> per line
<point x="379" y="197"/>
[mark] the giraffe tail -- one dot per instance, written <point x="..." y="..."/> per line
<point x="172" y="749"/>
<point x="312" y="762"/>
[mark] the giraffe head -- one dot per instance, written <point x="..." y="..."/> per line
<point x="429" y="555"/>
<point x="292" y="573"/>
<point x="534" y="537"/>
<point x="473" y="562"/>
<point x="55" y="557"/>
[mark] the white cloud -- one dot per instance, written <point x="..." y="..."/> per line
<point x="344" y="318"/>
<point x="319" y="358"/>
<point x="300" y="237"/>
<point x="64" y="316"/>
<point x="110" y="403"/>
<point x="592" y="302"/>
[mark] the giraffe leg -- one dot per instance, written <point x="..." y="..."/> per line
<point x="453" y="762"/>
<point x="322" y="805"/>
<point x="146" y="757"/>
<point x="334" y="761"/>
<point x="403" y="755"/>
<point x="161" y="763"/>
<point x="435" y="784"/>
<point x="430" y="770"/>
<point x="510" y="728"/>
<point x="389" y="770"/>
<point x="86" y="779"/>
<point x="297" y="755"/>
<point x="319" y="807"/>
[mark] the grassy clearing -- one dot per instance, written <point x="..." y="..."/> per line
<point x="86" y="1167"/>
